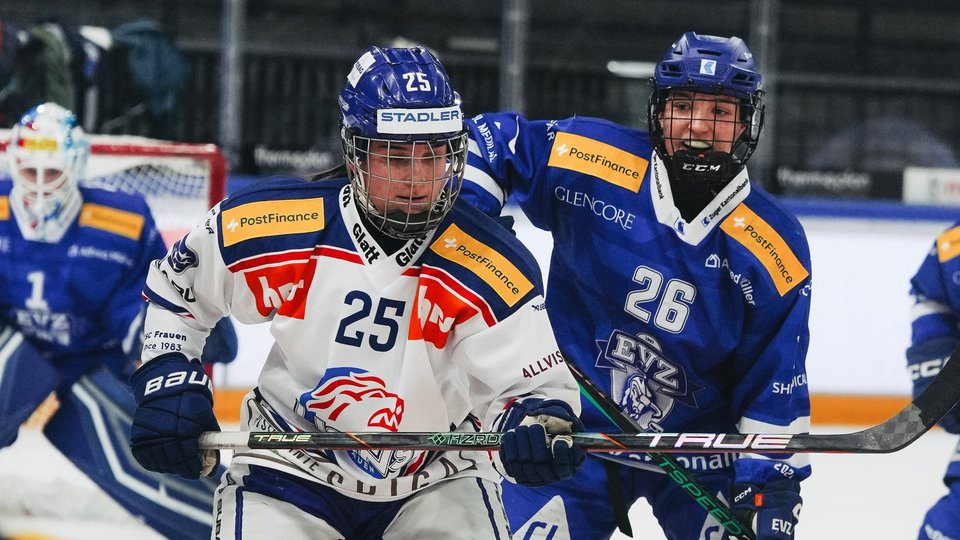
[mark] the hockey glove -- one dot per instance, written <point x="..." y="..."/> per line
<point x="174" y="406"/>
<point x="772" y="511"/>
<point x="535" y="449"/>
<point x="924" y="362"/>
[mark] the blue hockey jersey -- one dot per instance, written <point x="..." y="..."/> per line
<point x="693" y="327"/>
<point x="78" y="300"/>
<point x="937" y="294"/>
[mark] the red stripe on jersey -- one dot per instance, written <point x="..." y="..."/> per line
<point x="297" y="255"/>
<point x="462" y="291"/>
<point x="268" y="259"/>
<point x="338" y="253"/>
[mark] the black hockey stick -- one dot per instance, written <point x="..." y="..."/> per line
<point x="669" y="464"/>
<point x="894" y="434"/>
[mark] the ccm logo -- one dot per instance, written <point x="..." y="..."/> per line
<point x="176" y="379"/>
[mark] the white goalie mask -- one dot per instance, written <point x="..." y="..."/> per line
<point x="48" y="152"/>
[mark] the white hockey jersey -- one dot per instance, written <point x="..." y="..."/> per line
<point x="440" y="335"/>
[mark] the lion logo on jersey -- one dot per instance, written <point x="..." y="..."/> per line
<point x="639" y="402"/>
<point x="351" y="398"/>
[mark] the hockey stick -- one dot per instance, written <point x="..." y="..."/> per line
<point x="669" y="464"/>
<point x="899" y="431"/>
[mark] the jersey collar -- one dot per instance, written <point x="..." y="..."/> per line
<point x="371" y="253"/>
<point x="720" y="207"/>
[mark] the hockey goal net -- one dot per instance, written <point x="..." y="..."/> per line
<point x="180" y="181"/>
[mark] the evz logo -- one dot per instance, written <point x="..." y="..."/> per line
<point x="181" y="257"/>
<point x="647" y="383"/>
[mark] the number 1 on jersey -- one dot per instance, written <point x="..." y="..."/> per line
<point x="36" y="300"/>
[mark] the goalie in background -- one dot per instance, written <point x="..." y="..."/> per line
<point x="676" y="284"/>
<point x="935" y="333"/>
<point x="73" y="260"/>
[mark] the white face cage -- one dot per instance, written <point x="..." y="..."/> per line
<point x="405" y="188"/>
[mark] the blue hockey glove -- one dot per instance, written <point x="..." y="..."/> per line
<point x="924" y="361"/>
<point x="221" y="345"/>
<point x="535" y="450"/>
<point x="174" y="406"/>
<point x="772" y="510"/>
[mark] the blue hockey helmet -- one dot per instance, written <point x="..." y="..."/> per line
<point x="702" y="64"/>
<point x="399" y="108"/>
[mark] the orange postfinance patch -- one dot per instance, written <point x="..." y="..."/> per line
<point x="492" y="267"/>
<point x="590" y="156"/>
<point x="755" y="234"/>
<point x="4" y="208"/>
<point x="271" y="218"/>
<point x="948" y="244"/>
<point x="105" y="218"/>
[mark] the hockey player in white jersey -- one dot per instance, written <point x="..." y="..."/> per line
<point x="935" y="334"/>
<point x="73" y="261"/>
<point x="394" y="307"/>
<point x="676" y="284"/>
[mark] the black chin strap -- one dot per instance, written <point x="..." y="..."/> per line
<point x="695" y="179"/>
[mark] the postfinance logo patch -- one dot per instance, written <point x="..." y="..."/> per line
<point x="119" y="222"/>
<point x="271" y="218"/>
<point x="492" y="267"/>
<point x="589" y="156"/>
<point x="755" y="234"/>
<point x="948" y="245"/>
<point x="4" y="208"/>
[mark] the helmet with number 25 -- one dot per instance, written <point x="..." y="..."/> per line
<point x="48" y="152"/>
<point x="403" y="137"/>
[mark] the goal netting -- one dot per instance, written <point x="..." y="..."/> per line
<point x="180" y="181"/>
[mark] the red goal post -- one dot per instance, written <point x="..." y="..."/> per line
<point x="180" y="181"/>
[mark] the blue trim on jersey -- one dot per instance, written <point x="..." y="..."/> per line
<point x="489" y="507"/>
<point x="162" y="302"/>
<point x="280" y="188"/>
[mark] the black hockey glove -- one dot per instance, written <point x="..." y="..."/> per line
<point x="535" y="449"/>
<point x="772" y="511"/>
<point x="174" y="406"/>
<point x="924" y="362"/>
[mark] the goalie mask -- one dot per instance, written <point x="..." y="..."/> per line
<point x="403" y="137"/>
<point x="704" y="115"/>
<point x="47" y="152"/>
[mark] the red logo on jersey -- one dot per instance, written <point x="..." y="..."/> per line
<point x="439" y="310"/>
<point x="355" y="395"/>
<point x="282" y="288"/>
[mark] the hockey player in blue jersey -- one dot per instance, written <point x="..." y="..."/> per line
<point x="73" y="260"/>
<point x="679" y="286"/>
<point x="935" y="334"/>
<point x="394" y="306"/>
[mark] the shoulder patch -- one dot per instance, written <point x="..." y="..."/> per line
<point x="948" y="244"/>
<point x="113" y="220"/>
<point x="506" y="279"/>
<point x="755" y="234"/>
<point x="595" y="158"/>
<point x="4" y="208"/>
<point x="271" y="218"/>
